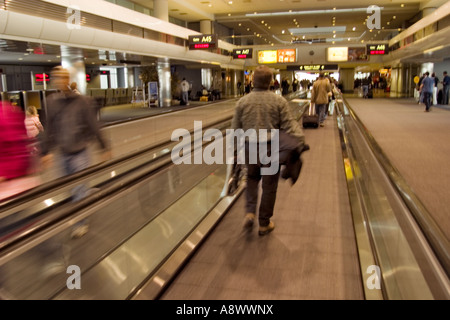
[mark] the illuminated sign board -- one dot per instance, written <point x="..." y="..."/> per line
<point x="344" y="54"/>
<point x="357" y="54"/>
<point x="337" y="54"/>
<point x="313" y="67"/>
<point x="242" y="53"/>
<point x="40" y="77"/>
<point x="267" y="56"/>
<point x="287" y="56"/>
<point x="205" y="41"/>
<point x="377" y="49"/>
<point x="277" y="56"/>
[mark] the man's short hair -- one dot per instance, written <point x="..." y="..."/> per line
<point x="60" y="72"/>
<point x="262" y="77"/>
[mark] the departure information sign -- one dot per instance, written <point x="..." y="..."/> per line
<point x="242" y="53"/>
<point x="313" y="67"/>
<point x="377" y="49"/>
<point x="205" y="41"/>
<point x="41" y="77"/>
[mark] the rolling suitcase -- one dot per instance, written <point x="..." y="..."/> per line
<point x="310" y="118"/>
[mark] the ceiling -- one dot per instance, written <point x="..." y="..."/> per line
<point x="247" y="27"/>
<point x="279" y="22"/>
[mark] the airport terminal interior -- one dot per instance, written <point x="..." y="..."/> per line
<point x="163" y="215"/>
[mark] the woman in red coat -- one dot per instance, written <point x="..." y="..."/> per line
<point x="15" y="158"/>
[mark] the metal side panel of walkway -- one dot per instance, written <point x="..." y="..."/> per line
<point x="418" y="145"/>
<point x="311" y="254"/>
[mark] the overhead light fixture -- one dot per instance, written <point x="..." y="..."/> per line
<point x="308" y="12"/>
<point x="318" y="30"/>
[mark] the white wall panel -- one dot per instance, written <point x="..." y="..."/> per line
<point x="23" y="25"/>
<point x="3" y="20"/>
<point x="53" y="30"/>
<point x="83" y="36"/>
<point x="122" y="42"/>
<point x="102" y="39"/>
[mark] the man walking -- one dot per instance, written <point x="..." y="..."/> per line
<point x="185" y="87"/>
<point x="320" y="96"/>
<point x="427" y="89"/>
<point x="263" y="109"/>
<point x="446" y="84"/>
<point x="71" y="124"/>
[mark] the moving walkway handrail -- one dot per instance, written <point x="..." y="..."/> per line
<point x="428" y="225"/>
<point x="389" y="238"/>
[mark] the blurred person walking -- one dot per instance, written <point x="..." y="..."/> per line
<point x="185" y="87"/>
<point x="34" y="127"/>
<point x="427" y="90"/>
<point x="71" y="126"/>
<point x="435" y="88"/>
<point x="445" y="89"/>
<point x="320" y="96"/>
<point x="74" y="88"/>
<point x="16" y="174"/>
<point x="263" y="109"/>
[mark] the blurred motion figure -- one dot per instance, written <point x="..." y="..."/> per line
<point x="15" y="158"/>
<point x="71" y="125"/>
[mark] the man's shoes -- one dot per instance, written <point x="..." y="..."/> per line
<point x="322" y="125"/>
<point x="266" y="229"/>
<point x="249" y="220"/>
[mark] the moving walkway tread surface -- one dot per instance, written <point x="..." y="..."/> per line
<point x="311" y="254"/>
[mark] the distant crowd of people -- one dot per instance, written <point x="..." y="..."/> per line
<point x="428" y="92"/>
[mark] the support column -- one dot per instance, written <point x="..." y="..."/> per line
<point x="427" y="11"/>
<point x="234" y="81"/>
<point x="72" y="59"/>
<point x="3" y="86"/>
<point x="205" y="27"/>
<point x="347" y="76"/>
<point x="165" y="95"/>
<point x="130" y="77"/>
<point x="161" y="9"/>
<point x="207" y="78"/>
